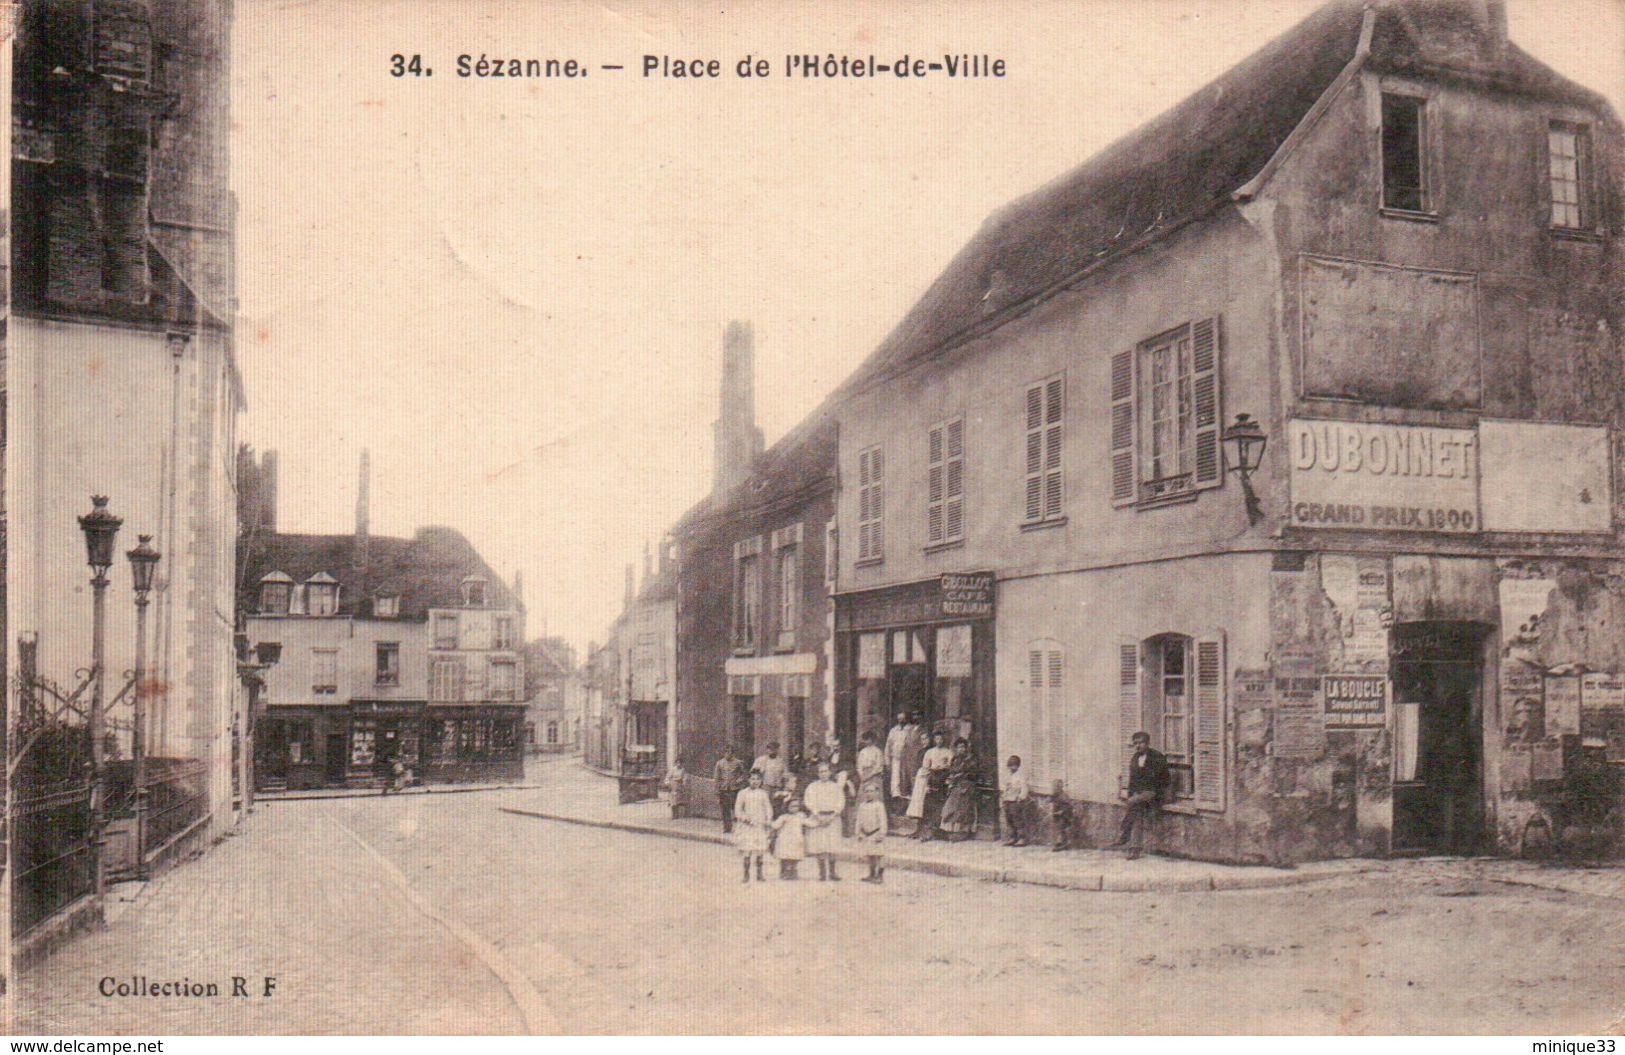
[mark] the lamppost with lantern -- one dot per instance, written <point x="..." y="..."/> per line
<point x="143" y="563"/>
<point x="100" y="528"/>
<point x="1245" y="441"/>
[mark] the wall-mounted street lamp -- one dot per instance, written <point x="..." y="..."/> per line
<point x="1244" y="442"/>
<point x="100" y="528"/>
<point x="143" y="563"/>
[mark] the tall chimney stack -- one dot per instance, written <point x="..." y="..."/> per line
<point x="738" y="442"/>
<point x="361" y="549"/>
<point x="631" y="588"/>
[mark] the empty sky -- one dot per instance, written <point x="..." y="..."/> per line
<point x="513" y="292"/>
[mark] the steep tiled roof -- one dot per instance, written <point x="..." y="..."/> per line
<point x="1187" y="161"/>
<point x="425" y="571"/>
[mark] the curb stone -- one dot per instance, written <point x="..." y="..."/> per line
<point x="1025" y="876"/>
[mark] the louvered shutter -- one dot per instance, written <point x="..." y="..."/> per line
<point x="1038" y="718"/>
<point x="1059" y="742"/>
<point x="1129" y="715"/>
<point x="1209" y="768"/>
<point x="1122" y="439"/>
<point x="877" y="502"/>
<point x="1035" y="453"/>
<point x="865" y="545"/>
<point x="1053" y="406"/>
<point x="1586" y="183"/>
<point x="953" y="502"/>
<point x="1209" y="404"/>
<point x="935" y="486"/>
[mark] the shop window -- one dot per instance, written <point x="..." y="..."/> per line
<point x="388" y="663"/>
<point x="1165" y="416"/>
<point x="445" y="630"/>
<point x="1404" y="168"/>
<point x="871" y="505"/>
<point x="945" y="484"/>
<point x="1171" y="686"/>
<point x="1050" y="738"/>
<point x="1568" y="150"/>
<point x="324" y="673"/>
<point x="363" y="743"/>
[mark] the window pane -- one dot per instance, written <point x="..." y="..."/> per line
<point x="1402" y="152"/>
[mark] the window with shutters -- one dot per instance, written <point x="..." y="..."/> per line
<point x="871" y="506"/>
<point x="1046" y="671"/>
<point x="1165" y="416"/>
<point x="945" y="484"/>
<point x="1044" y="408"/>
<point x="1568" y="151"/>
<point x="747" y="594"/>
<point x="789" y="581"/>
<point x="324" y="677"/>
<point x="1171" y="686"/>
<point x="446" y="681"/>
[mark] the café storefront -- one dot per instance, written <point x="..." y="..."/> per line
<point x="357" y="744"/>
<point x="925" y="646"/>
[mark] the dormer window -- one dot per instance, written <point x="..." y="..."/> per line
<point x="473" y="592"/>
<point x="321" y="594"/>
<point x="276" y="591"/>
<point x="386" y="607"/>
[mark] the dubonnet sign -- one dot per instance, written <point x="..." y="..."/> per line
<point x="1355" y="474"/>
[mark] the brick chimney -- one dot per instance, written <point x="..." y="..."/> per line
<point x="361" y="550"/>
<point x="738" y="442"/>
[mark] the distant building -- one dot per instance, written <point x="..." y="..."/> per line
<point x="753" y="608"/>
<point x="552" y="697"/>
<point x="631" y="680"/>
<point x="381" y="650"/>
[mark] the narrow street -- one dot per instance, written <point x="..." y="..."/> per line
<point x="442" y="914"/>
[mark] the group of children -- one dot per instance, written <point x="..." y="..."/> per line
<point x="1019" y="820"/>
<point x="799" y="833"/>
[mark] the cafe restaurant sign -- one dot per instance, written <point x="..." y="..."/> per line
<point x="967" y="595"/>
<point x="1376" y="477"/>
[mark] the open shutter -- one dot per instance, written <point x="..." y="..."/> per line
<point x="953" y="503"/>
<point x="877" y="503"/>
<point x="1129" y="717"/>
<point x="934" y="488"/>
<point x="1123" y="429"/>
<point x="1588" y="192"/>
<point x="1209" y="409"/>
<point x="1035" y="453"/>
<point x="1059" y="743"/>
<point x="1038" y="718"/>
<point x="1054" y="393"/>
<point x="865" y="544"/>
<point x="1209" y="769"/>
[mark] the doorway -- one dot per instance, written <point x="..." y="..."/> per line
<point x="1438" y="715"/>
<point x="744" y="727"/>
<point x="911" y="691"/>
<point x="337" y="760"/>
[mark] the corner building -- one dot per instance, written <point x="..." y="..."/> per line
<point x="1390" y="237"/>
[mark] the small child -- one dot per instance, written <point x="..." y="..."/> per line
<point x="1061" y="818"/>
<point x="753" y="820"/>
<point x="872" y="824"/>
<point x="792" y="828"/>
<point x="677" y="786"/>
<point x="1014" y="797"/>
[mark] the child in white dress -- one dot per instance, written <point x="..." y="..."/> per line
<point x="792" y="841"/>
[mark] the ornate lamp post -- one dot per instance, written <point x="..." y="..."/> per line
<point x="1244" y="441"/>
<point x="100" y="528"/>
<point x="143" y="562"/>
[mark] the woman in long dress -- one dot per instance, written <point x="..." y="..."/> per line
<point x="959" y="809"/>
<point x="825" y="799"/>
<point x="930" y="788"/>
<point x="753" y="821"/>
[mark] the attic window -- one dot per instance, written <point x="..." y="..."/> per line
<point x="474" y="592"/>
<point x="1404" y="183"/>
<point x="321" y="595"/>
<point x="276" y="591"/>
<point x="386" y="607"/>
<point x="998" y="287"/>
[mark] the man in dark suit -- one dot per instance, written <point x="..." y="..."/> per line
<point x="1147" y="782"/>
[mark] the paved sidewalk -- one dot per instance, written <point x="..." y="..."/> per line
<point x="576" y="795"/>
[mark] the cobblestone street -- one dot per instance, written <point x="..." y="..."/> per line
<point x="442" y="913"/>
